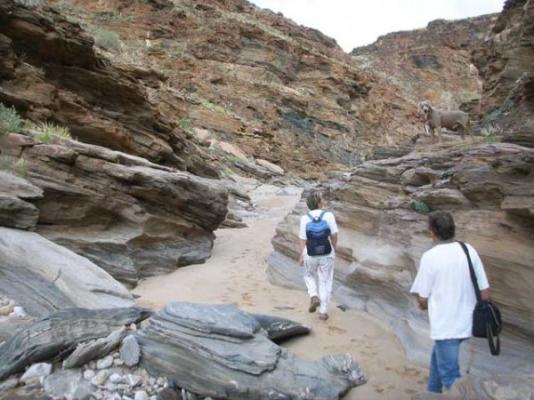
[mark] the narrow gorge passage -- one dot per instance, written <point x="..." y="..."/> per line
<point x="236" y="274"/>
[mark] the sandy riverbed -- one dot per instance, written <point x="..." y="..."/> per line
<point x="236" y="274"/>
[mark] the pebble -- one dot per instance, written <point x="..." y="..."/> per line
<point x="18" y="312"/>
<point x="141" y="395"/>
<point x="130" y="351"/>
<point x="133" y="327"/>
<point x="7" y="307"/>
<point x="104" y="363"/>
<point x="134" y="380"/>
<point x="161" y="381"/>
<point x="36" y="371"/>
<point x="89" y="374"/>
<point x="115" y="378"/>
<point x="100" y="378"/>
<point x="117" y="362"/>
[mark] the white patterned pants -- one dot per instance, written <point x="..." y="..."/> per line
<point x="318" y="276"/>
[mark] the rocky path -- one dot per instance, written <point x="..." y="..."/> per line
<point x="236" y="274"/>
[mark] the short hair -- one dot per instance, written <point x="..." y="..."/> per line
<point x="441" y="224"/>
<point x="313" y="201"/>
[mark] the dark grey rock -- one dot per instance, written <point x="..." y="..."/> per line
<point x="169" y="394"/>
<point x="185" y="340"/>
<point x="86" y="352"/>
<point x="130" y="352"/>
<point x="61" y="332"/>
<point x="279" y="329"/>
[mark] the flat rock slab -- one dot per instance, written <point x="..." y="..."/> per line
<point x="43" y="277"/>
<point x="61" y="332"/>
<point x="130" y="352"/>
<point x="185" y="340"/>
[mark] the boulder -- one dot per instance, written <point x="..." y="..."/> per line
<point x="15" y="210"/>
<point x="383" y="233"/>
<point x="60" y="332"/>
<point x="184" y="340"/>
<point x="129" y="216"/>
<point x="43" y="277"/>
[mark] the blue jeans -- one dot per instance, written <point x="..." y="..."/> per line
<point x="444" y="366"/>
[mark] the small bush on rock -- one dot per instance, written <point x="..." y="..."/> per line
<point x="108" y="40"/>
<point x="49" y="133"/>
<point x="420" y="206"/>
<point x="10" y="121"/>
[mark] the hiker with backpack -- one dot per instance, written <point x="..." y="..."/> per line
<point x="450" y="282"/>
<point x="318" y="236"/>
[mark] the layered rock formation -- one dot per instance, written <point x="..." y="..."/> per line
<point x="131" y="217"/>
<point x="50" y="72"/>
<point x="489" y="189"/>
<point x="185" y="341"/>
<point x="280" y="92"/>
<point x="505" y="61"/>
<point x="431" y="64"/>
<point x="43" y="277"/>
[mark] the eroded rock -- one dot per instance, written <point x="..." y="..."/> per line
<point x="243" y="362"/>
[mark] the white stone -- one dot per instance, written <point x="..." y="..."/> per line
<point x="89" y="374"/>
<point x="117" y="362"/>
<point x="161" y="381"/>
<point x="100" y="378"/>
<point x="134" y="380"/>
<point x="141" y="395"/>
<point x="133" y="327"/>
<point x="18" y="312"/>
<point x="115" y="378"/>
<point x="104" y="363"/>
<point x="36" y="371"/>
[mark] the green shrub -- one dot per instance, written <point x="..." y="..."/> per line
<point x="186" y="124"/>
<point x="107" y="40"/>
<point x="10" y="121"/>
<point x="49" y="133"/>
<point x="14" y="165"/>
<point x="420" y="206"/>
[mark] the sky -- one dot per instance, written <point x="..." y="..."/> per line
<point x="355" y="23"/>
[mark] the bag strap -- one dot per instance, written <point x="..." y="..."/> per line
<point x="494" y="340"/>
<point x="471" y="271"/>
<point x="322" y="214"/>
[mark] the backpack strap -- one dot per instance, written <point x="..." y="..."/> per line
<point x="311" y="217"/>
<point x="322" y="214"/>
<point x="471" y="271"/>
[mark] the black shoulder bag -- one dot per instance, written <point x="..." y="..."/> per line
<point x="487" y="322"/>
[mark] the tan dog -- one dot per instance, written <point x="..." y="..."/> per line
<point x="435" y="119"/>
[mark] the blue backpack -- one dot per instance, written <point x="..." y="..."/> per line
<point x="317" y="236"/>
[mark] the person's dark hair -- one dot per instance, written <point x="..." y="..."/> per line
<point x="313" y="201"/>
<point x="441" y="224"/>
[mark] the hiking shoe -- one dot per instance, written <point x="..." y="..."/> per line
<point x="314" y="303"/>
<point x="323" y="317"/>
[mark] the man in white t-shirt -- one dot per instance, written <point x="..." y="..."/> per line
<point x="443" y="286"/>
<point x="318" y="236"/>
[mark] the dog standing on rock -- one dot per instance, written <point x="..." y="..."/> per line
<point x="435" y="119"/>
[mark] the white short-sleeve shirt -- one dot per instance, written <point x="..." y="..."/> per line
<point x="328" y="217"/>
<point x="444" y="279"/>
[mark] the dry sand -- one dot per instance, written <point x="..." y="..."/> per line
<point x="236" y="274"/>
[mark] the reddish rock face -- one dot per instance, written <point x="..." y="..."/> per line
<point x="50" y="71"/>
<point x="506" y="61"/>
<point x="431" y="64"/>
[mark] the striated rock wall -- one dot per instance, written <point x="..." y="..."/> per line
<point x="505" y="60"/>
<point x="433" y="63"/>
<point x="279" y="91"/>
<point x="489" y="189"/>
<point x="49" y="71"/>
<point x="129" y="216"/>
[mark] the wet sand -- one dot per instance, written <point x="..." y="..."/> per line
<point x="236" y="274"/>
